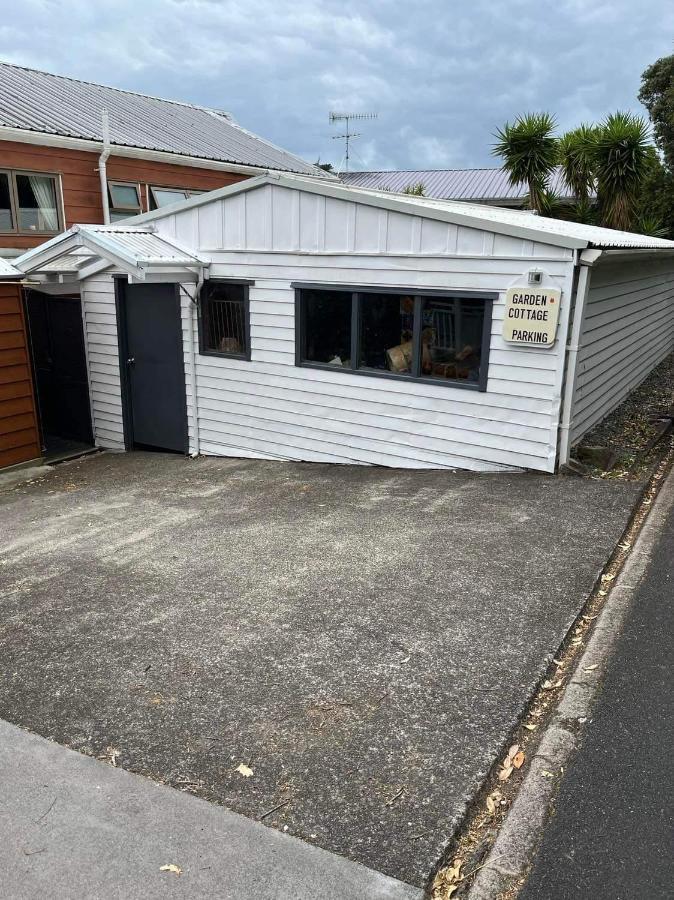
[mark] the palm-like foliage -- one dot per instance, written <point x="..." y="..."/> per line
<point x="529" y="150"/>
<point x="416" y="190"/>
<point x="576" y="157"/>
<point x="621" y="160"/>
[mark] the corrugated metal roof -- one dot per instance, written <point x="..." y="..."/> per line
<point x="473" y="215"/>
<point x="486" y="215"/>
<point x="135" y="249"/>
<point x="485" y="185"/>
<point x="143" y="244"/>
<point x="54" y="104"/>
<point x="7" y="270"/>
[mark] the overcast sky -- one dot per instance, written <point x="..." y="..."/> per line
<point x="441" y="74"/>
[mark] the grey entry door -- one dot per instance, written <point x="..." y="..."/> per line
<point x="154" y="376"/>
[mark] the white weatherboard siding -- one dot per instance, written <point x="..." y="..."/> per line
<point x="269" y="408"/>
<point x="628" y="328"/>
<point x="100" y="328"/>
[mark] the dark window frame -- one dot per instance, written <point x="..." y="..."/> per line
<point x="486" y="297"/>
<point x="14" y="201"/>
<point x="204" y="312"/>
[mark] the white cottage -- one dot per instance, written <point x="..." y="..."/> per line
<point x="289" y="318"/>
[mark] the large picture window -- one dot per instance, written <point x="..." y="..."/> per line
<point x="428" y="335"/>
<point x="224" y="326"/>
<point x="29" y="203"/>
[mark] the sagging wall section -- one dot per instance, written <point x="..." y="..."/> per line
<point x="269" y="408"/>
<point x="628" y="328"/>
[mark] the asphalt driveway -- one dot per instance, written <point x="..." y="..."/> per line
<point x="361" y="639"/>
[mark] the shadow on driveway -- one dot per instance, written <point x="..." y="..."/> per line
<point x="362" y="639"/>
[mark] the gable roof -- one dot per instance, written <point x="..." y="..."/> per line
<point x="518" y="223"/>
<point x="35" y="101"/>
<point x="480" y="185"/>
<point x="138" y="251"/>
<point x="7" y="270"/>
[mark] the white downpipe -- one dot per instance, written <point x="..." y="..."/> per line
<point x="102" y="166"/>
<point x="194" y="306"/>
<point x="587" y="259"/>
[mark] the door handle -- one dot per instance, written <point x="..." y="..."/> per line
<point x="131" y="360"/>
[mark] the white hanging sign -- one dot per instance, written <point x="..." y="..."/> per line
<point x="531" y="316"/>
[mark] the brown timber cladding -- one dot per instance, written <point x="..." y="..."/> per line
<point x="19" y="436"/>
<point x="81" y="185"/>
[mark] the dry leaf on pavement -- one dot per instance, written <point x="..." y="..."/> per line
<point x="244" y="770"/>
<point x="518" y="759"/>
<point x="171" y="868"/>
<point x="505" y="773"/>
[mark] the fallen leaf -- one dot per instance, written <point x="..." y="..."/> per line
<point x="493" y="800"/>
<point x="518" y="759"/>
<point x="547" y="685"/>
<point x="531" y="727"/>
<point x="546" y="774"/>
<point x="513" y="750"/>
<point x="505" y="773"/>
<point x="171" y="868"/>
<point x="591" y="668"/>
<point x="244" y="770"/>
<point x="607" y="577"/>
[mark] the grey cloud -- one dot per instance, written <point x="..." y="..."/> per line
<point x="442" y="74"/>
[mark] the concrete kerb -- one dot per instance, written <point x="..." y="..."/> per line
<point x="514" y="848"/>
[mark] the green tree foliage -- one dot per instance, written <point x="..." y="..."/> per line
<point x="416" y="190"/>
<point x="530" y="152"/>
<point x="657" y="95"/>
<point x="577" y="162"/>
<point x="605" y="166"/>
<point x="621" y="157"/>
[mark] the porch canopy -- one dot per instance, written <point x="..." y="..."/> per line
<point x="140" y="253"/>
<point x="9" y="272"/>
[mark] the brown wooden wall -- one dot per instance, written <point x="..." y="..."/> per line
<point x="81" y="184"/>
<point x="19" y="435"/>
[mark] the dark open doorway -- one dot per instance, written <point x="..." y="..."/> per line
<point x="151" y="362"/>
<point x="60" y="367"/>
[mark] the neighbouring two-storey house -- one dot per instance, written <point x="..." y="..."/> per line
<point x="76" y="152"/>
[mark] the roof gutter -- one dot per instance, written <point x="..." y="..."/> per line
<point x="587" y="258"/>
<point x="102" y="167"/>
<point x="41" y="139"/>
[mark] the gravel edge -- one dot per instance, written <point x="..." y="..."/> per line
<point x="515" y="846"/>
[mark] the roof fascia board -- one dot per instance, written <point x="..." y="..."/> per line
<point x="52" y="249"/>
<point x="340" y="191"/>
<point x="453" y="216"/>
<point x="201" y="200"/>
<point x="42" y="139"/>
<point x="636" y="254"/>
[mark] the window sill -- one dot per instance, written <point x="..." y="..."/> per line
<point x="392" y="376"/>
<point x="239" y="356"/>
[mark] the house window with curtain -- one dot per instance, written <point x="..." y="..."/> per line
<point x="29" y="203"/>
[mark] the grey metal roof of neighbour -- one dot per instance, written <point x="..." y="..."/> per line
<point x="37" y="101"/>
<point x="486" y="185"/>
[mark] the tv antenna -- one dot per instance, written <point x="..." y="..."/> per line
<point x="347" y="118"/>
